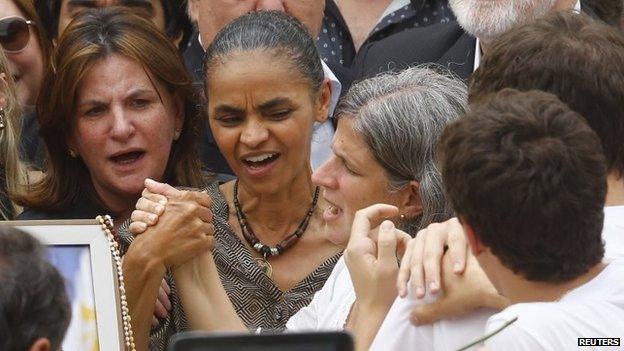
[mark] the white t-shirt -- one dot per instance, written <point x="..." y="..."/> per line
<point x="397" y="332"/>
<point x="593" y="310"/>
<point x="613" y="232"/>
<point x="330" y="306"/>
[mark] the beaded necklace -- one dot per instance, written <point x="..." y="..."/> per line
<point x="106" y="223"/>
<point x="265" y="250"/>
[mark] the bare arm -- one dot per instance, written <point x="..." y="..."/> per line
<point x="143" y="275"/>
<point x="206" y="304"/>
<point x="205" y="301"/>
<point x="184" y="231"/>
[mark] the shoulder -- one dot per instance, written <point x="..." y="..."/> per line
<point x="407" y="48"/>
<point x="35" y="214"/>
<point x="531" y="326"/>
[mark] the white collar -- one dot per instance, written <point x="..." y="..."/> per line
<point x="394" y="6"/>
<point x="478" y="53"/>
<point x="335" y="87"/>
<point x="477" y="59"/>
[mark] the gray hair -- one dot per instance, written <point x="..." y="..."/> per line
<point x="401" y="117"/>
<point x="272" y="31"/>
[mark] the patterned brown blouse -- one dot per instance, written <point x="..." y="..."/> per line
<point x="257" y="300"/>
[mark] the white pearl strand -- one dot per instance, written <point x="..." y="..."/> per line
<point x="107" y="224"/>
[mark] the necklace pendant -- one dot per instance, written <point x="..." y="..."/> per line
<point x="265" y="266"/>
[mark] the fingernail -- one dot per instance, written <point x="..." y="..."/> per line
<point x="159" y="208"/>
<point x="387" y="225"/>
<point x="153" y="217"/>
<point x="457" y="267"/>
<point x="149" y="180"/>
<point x="162" y="201"/>
<point x="420" y="292"/>
<point x="433" y="286"/>
<point x="142" y="225"/>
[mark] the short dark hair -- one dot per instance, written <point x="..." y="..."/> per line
<point x="177" y="23"/>
<point x="578" y="59"/>
<point x="528" y="175"/>
<point x="33" y="301"/>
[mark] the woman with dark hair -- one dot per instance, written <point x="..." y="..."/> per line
<point x="265" y="89"/>
<point x="118" y="107"/>
<point x="384" y="144"/>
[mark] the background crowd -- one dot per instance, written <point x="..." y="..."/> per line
<point x="419" y="173"/>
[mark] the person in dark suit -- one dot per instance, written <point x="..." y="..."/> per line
<point x="454" y="45"/>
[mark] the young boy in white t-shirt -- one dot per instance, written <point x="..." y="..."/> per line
<point x="527" y="179"/>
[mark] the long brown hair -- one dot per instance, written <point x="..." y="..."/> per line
<point x="90" y="38"/>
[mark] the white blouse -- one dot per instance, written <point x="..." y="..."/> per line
<point x="330" y="306"/>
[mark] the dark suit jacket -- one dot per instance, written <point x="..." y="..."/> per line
<point x="445" y="44"/>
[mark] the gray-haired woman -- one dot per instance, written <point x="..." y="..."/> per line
<point x="384" y="146"/>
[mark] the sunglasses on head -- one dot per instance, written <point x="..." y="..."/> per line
<point x="14" y="34"/>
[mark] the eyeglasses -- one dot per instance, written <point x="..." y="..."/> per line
<point x="14" y="34"/>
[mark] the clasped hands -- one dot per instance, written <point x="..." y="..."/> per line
<point x="176" y="223"/>
<point x="174" y="226"/>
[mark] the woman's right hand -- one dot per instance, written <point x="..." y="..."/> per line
<point x="183" y="230"/>
<point x="422" y="262"/>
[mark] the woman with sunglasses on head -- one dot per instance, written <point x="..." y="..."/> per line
<point x="119" y="107"/>
<point x="27" y="48"/>
<point x="13" y="173"/>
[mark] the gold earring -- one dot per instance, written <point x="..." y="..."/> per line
<point x="176" y="134"/>
<point x="72" y="153"/>
<point x="2" y="115"/>
<point x="402" y="216"/>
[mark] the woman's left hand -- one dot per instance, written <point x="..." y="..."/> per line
<point x="151" y="205"/>
<point x="372" y="258"/>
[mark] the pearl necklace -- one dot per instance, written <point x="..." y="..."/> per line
<point x="107" y="227"/>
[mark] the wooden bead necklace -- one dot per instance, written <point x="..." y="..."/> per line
<point x="265" y="250"/>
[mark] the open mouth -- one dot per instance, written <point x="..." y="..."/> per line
<point x="331" y="212"/>
<point x="127" y="158"/>
<point x="260" y="160"/>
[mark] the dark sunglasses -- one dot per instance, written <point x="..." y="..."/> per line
<point x="14" y="33"/>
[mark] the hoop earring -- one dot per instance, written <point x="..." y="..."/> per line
<point x="2" y="116"/>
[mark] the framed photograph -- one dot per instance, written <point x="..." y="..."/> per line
<point x="80" y="251"/>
